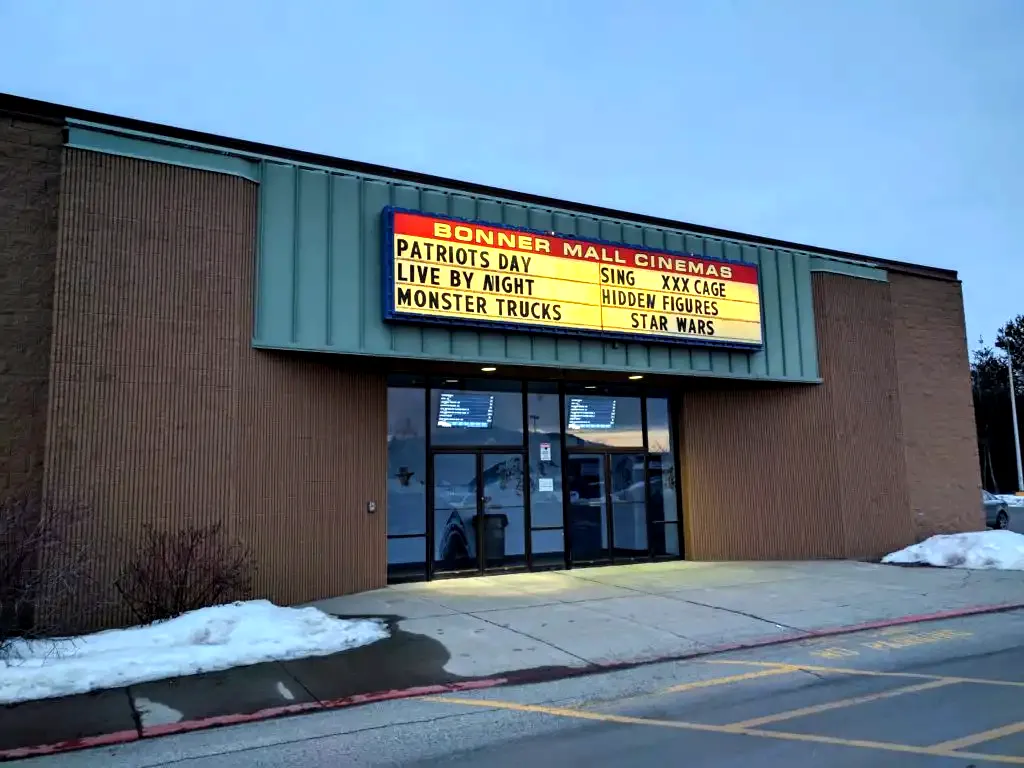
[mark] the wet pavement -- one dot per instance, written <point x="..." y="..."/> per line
<point x="524" y="628"/>
<point x="944" y="693"/>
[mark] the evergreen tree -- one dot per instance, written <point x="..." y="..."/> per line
<point x="991" y="388"/>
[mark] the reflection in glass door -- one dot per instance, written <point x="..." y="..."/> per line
<point x="588" y="507"/>
<point x="503" y="520"/>
<point x="607" y="503"/>
<point x="629" y="507"/>
<point x="455" y="512"/>
<point x="479" y="511"/>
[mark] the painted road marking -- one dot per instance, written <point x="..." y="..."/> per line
<point x="728" y="680"/>
<point x="810" y="738"/>
<point x="839" y="704"/>
<point x="868" y="672"/>
<point x="978" y="738"/>
<point x="891" y="640"/>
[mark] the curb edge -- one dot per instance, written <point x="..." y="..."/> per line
<point x="520" y="677"/>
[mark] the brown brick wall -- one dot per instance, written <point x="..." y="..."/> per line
<point x="162" y="411"/>
<point x="30" y="158"/>
<point x="940" y="441"/>
<point x="805" y="472"/>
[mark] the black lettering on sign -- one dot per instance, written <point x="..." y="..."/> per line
<point x="709" y="288"/>
<point x="618" y="298"/>
<point x="675" y="283"/>
<point x="460" y="278"/>
<point x="521" y="286"/>
<point x="511" y="262"/>
<point x="617" y="276"/>
<point x="442" y="301"/>
<point x="694" y="327"/>
<point x="648" y="321"/>
<point x="685" y="305"/>
<point x="422" y="274"/>
<point x="522" y="309"/>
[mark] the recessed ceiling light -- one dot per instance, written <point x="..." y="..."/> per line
<point x="451" y="381"/>
<point x="591" y="386"/>
<point x="635" y="377"/>
<point x="488" y="369"/>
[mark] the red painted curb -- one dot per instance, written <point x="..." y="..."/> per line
<point x="212" y="722"/>
<point x="71" y="745"/>
<point x="521" y="677"/>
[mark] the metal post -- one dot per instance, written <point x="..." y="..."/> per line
<point x="1016" y="433"/>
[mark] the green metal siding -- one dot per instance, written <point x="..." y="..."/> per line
<point x="319" y="283"/>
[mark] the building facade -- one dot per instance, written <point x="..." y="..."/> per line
<point x="200" y="329"/>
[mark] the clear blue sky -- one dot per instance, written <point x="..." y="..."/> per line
<point x="888" y="127"/>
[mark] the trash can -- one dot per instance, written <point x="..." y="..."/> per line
<point x="494" y="536"/>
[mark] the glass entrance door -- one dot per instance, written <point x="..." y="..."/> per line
<point x="607" y="507"/>
<point x="628" y="492"/>
<point x="588" y="508"/>
<point x="479" y="511"/>
<point x="456" y="504"/>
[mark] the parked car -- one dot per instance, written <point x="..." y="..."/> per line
<point x="996" y="513"/>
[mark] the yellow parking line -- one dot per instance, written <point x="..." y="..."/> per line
<point x="869" y="672"/>
<point x="730" y="679"/>
<point x="839" y="704"/>
<point x="731" y="730"/>
<point x="978" y="738"/>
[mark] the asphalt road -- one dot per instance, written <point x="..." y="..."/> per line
<point x="935" y="694"/>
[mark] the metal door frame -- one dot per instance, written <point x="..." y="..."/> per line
<point x="478" y="454"/>
<point x="523" y="450"/>
<point x="606" y="476"/>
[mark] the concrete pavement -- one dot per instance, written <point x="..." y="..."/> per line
<point x="472" y="633"/>
<point x="497" y="624"/>
<point x="944" y="693"/>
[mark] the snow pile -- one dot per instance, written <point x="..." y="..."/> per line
<point x="1000" y="550"/>
<point x="1011" y="500"/>
<point x="206" y="640"/>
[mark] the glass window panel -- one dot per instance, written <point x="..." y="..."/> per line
<point x="545" y="440"/>
<point x="588" y="511"/>
<point x="664" y="500"/>
<point x="629" y="505"/>
<point x="455" y="512"/>
<point x="407" y="556"/>
<point x="504" y="518"/>
<point x="603" y="421"/>
<point x="659" y="436"/>
<point x="666" y="539"/>
<point x="475" y="417"/>
<point x="407" y="461"/>
<point x="548" y="547"/>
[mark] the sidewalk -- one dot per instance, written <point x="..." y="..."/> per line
<point x="492" y="630"/>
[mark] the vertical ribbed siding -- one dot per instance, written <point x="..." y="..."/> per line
<point x="312" y="442"/>
<point x="780" y="473"/>
<point x="760" y="476"/>
<point x="161" y="412"/>
<point x="30" y="157"/>
<point x="941" y="446"/>
<point x="858" y="362"/>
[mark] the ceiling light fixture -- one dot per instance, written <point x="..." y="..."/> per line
<point x="635" y="377"/>
<point x="488" y="369"/>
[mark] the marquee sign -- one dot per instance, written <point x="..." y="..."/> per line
<point x="453" y="272"/>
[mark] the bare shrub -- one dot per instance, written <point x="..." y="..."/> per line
<point x="179" y="571"/>
<point x="43" y="568"/>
